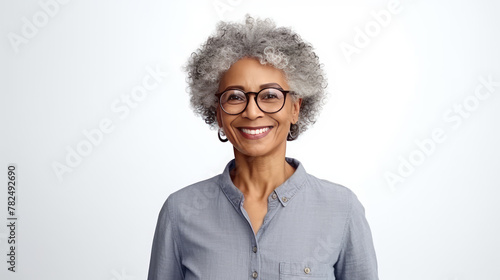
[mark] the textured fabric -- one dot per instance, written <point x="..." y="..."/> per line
<point x="313" y="229"/>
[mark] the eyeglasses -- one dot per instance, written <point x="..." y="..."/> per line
<point x="269" y="100"/>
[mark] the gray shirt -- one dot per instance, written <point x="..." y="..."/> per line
<point x="313" y="229"/>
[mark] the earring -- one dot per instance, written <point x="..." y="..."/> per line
<point x="220" y="134"/>
<point x="293" y="133"/>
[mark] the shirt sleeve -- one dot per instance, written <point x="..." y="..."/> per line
<point x="357" y="258"/>
<point x="165" y="258"/>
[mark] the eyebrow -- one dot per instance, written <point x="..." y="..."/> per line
<point x="276" y="85"/>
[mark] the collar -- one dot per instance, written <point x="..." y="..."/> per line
<point x="284" y="193"/>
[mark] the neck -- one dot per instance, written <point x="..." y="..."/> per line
<point x="257" y="177"/>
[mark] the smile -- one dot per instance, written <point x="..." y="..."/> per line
<point x="255" y="133"/>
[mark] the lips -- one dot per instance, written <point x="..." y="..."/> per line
<point x="255" y="132"/>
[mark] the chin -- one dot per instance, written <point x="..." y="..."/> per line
<point x="252" y="152"/>
<point x="258" y="148"/>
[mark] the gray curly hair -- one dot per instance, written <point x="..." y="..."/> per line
<point x="261" y="39"/>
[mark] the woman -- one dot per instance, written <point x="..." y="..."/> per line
<point x="264" y="217"/>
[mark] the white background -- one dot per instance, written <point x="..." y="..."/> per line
<point x="441" y="221"/>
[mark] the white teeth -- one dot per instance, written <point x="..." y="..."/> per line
<point x="255" y="131"/>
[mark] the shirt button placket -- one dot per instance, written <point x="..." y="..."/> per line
<point x="255" y="262"/>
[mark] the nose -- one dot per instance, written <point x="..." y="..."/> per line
<point x="252" y="111"/>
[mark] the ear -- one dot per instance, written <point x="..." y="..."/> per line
<point x="296" y="110"/>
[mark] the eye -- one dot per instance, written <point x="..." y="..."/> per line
<point x="270" y="95"/>
<point x="233" y="96"/>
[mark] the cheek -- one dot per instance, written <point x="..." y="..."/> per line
<point x="284" y="122"/>
<point x="290" y="113"/>
<point x="220" y="117"/>
<point x="225" y="120"/>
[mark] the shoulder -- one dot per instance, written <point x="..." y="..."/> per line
<point x="328" y="188"/>
<point x="191" y="196"/>
<point x="316" y="186"/>
<point x="333" y="194"/>
<point x="204" y="187"/>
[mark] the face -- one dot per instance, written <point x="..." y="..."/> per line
<point x="253" y="132"/>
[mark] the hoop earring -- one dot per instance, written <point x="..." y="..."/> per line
<point x="220" y="134"/>
<point x="293" y="133"/>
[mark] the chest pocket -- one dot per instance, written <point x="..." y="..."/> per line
<point x="304" y="271"/>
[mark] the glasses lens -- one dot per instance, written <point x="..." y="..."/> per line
<point x="271" y="100"/>
<point x="233" y="101"/>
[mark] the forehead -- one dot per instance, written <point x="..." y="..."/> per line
<point x="250" y="75"/>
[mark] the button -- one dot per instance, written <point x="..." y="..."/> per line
<point x="254" y="249"/>
<point x="285" y="199"/>
<point x="254" y="275"/>
<point x="307" y="270"/>
<point x="274" y="196"/>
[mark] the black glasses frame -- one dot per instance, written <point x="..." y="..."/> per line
<point x="219" y="95"/>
